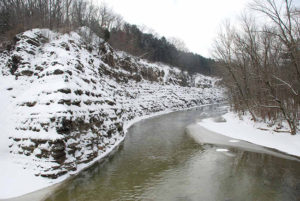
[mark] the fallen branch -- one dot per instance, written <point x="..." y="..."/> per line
<point x="275" y="130"/>
<point x="280" y="131"/>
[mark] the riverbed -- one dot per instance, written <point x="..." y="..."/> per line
<point x="159" y="160"/>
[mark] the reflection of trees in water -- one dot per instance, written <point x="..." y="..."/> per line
<point x="279" y="178"/>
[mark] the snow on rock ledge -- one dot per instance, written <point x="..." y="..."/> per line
<point x="67" y="99"/>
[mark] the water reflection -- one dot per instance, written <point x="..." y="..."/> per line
<point x="159" y="162"/>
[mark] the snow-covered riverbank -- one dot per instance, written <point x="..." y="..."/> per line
<point x="15" y="181"/>
<point x="257" y="133"/>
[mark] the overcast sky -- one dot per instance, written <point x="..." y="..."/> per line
<point x="196" y="22"/>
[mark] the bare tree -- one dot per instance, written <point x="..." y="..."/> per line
<point x="178" y="43"/>
<point x="287" y="25"/>
<point x="261" y="63"/>
<point x="79" y="11"/>
<point x="67" y="6"/>
<point x="106" y="16"/>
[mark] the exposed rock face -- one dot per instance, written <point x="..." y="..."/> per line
<point x="72" y="99"/>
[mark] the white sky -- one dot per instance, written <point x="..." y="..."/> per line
<point x="196" y="22"/>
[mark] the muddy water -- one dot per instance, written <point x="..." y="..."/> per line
<point x="159" y="161"/>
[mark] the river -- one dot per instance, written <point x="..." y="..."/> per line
<point x="159" y="161"/>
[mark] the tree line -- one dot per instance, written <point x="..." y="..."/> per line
<point x="260" y="62"/>
<point x="146" y="45"/>
<point x="62" y="15"/>
<point x="66" y="15"/>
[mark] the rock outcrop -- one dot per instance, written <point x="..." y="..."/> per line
<point x="72" y="98"/>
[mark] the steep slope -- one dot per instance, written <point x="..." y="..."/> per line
<point x="65" y="99"/>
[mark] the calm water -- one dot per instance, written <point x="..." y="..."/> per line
<point x="158" y="161"/>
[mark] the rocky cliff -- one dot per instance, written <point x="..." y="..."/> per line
<point x="67" y="97"/>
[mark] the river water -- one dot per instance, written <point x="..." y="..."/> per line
<point x="159" y="161"/>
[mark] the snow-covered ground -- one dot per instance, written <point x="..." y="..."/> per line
<point x="255" y="132"/>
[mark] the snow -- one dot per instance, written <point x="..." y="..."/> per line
<point x="12" y="174"/>
<point x="16" y="180"/>
<point x="255" y="132"/>
<point x="23" y="127"/>
<point x="222" y="150"/>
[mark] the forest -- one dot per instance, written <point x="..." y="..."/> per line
<point x="260" y="62"/>
<point x="67" y="15"/>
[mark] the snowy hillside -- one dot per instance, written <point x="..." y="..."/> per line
<point x="65" y="102"/>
